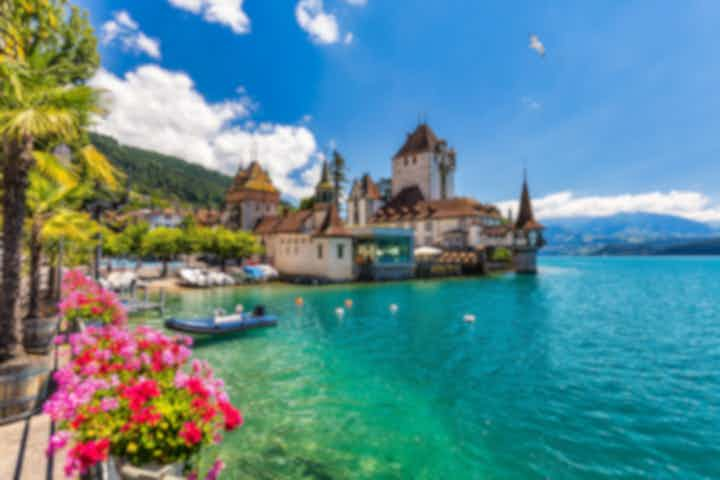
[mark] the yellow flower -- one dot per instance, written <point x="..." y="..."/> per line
<point x="132" y="447"/>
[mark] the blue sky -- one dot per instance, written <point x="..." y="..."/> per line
<point x="621" y="113"/>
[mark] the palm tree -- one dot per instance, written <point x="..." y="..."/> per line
<point x="54" y="184"/>
<point x="33" y="111"/>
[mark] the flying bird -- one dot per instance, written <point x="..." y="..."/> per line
<point x="537" y="45"/>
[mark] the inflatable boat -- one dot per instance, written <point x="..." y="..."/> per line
<point x="215" y="326"/>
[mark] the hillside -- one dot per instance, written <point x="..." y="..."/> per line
<point x="164" y="176"/>
<point x="627" y="233"/>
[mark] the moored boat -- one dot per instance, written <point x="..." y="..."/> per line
<point x="215" y="326"/>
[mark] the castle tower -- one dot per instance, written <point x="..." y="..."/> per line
<point x="528" y="237"/>
<point x="251" y="197"/>
<point x="364" y="200"/>
<point x="324" y="190"/>
<point x="427" y="162"/>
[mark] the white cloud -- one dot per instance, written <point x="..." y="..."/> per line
<point x="683" y="203"/>
<point x="224" y="12"/>
<point x="357" y="3"/>
<point x="161" y="110"/>
<point x="349" y="37"/>
<point x="123" y="29"/>
<point x="322" y="26"/>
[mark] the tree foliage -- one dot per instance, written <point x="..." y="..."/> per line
<point x="47" y="51"/>
<point x="227" y="244"/>
<point x="165" y="177"/>
<point x="338" y="175"/>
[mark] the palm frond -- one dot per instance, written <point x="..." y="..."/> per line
<point x="98" y="168"/>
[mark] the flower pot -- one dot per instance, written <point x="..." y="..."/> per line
<point x="125" y="471"/>
<point x="38" y="334"/>
<point x="20" y="386"/>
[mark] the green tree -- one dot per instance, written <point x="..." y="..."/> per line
<point x="307" y="203"/>
<point x="230" y="245"/>
<point x="46" y="53"/>
<point x="164" y="244"/>
<point x="76" y="231"/>
<point x="133" y="235"/>
<point x="338" y="175"/>
<point x="53" y="185"/>
<point x="501" y="254"/>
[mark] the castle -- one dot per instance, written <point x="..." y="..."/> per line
<point x="380" y="234"/>
<point x="423" y="200"/>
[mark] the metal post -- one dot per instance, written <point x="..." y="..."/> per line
<point x="98" y="257"/>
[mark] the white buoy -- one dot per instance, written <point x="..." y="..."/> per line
<point x="239" y="308"/>
<point x="469" y="318"/>
<point x="339" y="311"/>
<point x="393" y="308"/>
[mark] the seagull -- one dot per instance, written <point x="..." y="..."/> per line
<point x="537" y="45"/>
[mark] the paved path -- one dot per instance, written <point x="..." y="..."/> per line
<point x="35" y="461"/>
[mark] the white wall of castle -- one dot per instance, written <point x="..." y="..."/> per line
<point x="299" y="254"/>
<point x="253" y="211"/>
<point x="423" y="170"/>
<point x="366" y="208"/>
<point x="411" y="170"/>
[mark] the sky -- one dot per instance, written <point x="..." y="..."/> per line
<point x="621" y="113"/>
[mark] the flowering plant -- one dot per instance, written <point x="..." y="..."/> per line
<point x="134" y="394"/>
<point x="84" y="299"/>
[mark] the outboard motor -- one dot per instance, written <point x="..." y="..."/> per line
<point x="259" y="311"/>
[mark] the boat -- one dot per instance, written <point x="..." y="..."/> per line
<point x="211" y="326"/>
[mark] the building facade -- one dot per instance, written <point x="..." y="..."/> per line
<point x="423" y="199"/>
<point x="363" y="202"/>
<point x="251" y="197"/>
<point x="426" y="162"/>
<point x="528" y="234"/>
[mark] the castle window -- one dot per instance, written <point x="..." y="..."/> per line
<point x="428" y="226"/>
<point x="405" y="161"/>
<point x="319" y="252"/>
<point x="340" y="251"/>
<point x="414" y="160"/>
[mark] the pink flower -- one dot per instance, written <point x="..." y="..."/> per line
<point x="214" y="472"/>
<point x="190" y="433"/>
<point x="233" y="417"/>
<point x="85" y="455"/>
<point x="109" y="403"/>
<point x="57" y="441"/>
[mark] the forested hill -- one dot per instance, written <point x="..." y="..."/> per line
<point x="164" y="176"/>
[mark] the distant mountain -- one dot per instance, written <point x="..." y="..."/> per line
<point x="710" y="246"/>
<point x="165" y="176"/>
<point x="621" y="232"/>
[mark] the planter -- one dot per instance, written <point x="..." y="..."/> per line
<point x="38" y="334"/>
<point x="125" y="471"/>
<point x="20" y="386"/>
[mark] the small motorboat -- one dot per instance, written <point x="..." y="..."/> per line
<point x="218" y="324"/>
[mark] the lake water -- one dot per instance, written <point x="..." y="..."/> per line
<point x="596" y="368"/>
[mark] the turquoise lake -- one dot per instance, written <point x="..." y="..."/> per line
<point x="604" y="368"/>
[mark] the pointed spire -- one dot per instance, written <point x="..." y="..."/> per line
<point x="525" y="218"/>
<point x="332" y="225"/>
<point x="324" y="190"/>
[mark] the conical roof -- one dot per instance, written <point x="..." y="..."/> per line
<point x="526" y="218"/>
<point x="332" y="225"/>
<point x="325" y="183"/>
<point x="422" y="140"/>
